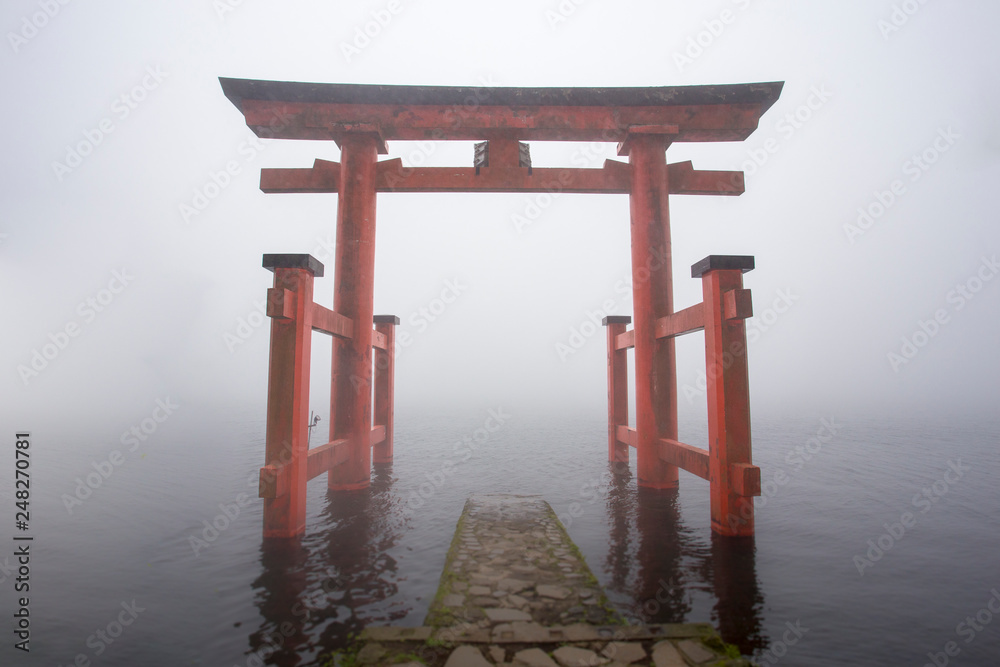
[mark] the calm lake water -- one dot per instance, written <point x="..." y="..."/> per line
<point x="851" y="563"/>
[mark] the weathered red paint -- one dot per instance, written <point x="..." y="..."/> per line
<point x="617" y="388"/>
<point x="684" y="321"/>
<point x="413" y="122"/>
<point x="287" y="439"/>
<point x="652" y="298"/>
<point x="391" y="176"/>
<point x="354" y="285"/>
<point x="626" y="435"/>
<point x="692" y="459"/>
<point x="728" y="405"/>
<point x="385" y="373"/>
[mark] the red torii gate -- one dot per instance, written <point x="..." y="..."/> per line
<point x="644" y="122"/>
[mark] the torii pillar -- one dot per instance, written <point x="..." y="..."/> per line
<point x="652" y="298"/>
<point x="354" y="275"/>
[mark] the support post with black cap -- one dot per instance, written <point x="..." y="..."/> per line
<point x="733" y="478"/>
<point x="289" y="305"/>
<point x="385" y="372"/>
<point x="617" y="387"/>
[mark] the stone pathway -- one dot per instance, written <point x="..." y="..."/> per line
<point x="516" y="591"/>
<point x="511" y="561"/>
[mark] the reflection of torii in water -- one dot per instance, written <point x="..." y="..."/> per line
<point x="645" y="122"/>
<point x="313" y="596"/>
<point x="657" y="561"/>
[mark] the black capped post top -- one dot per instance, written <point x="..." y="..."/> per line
<point x="722" y="262"/>
<point x="289" y="261"/>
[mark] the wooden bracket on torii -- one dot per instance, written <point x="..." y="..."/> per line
<point x="391" y="176"/>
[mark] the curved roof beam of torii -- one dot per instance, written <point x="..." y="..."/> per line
<point x="292" y="110"/>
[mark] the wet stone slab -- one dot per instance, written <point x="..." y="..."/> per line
<point x="515" y="591"/>
<point x="513" y="561"/>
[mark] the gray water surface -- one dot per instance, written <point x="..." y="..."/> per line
<point x="798" y="594"/>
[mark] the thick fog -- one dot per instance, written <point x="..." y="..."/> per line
<point x="133" y="225"/>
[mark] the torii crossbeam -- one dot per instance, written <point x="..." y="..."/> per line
<point x="644" y="122"/>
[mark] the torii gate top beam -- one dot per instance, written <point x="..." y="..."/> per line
<point x="292" y="110"/>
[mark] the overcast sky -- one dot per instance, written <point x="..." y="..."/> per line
<point x="116" y="123"/>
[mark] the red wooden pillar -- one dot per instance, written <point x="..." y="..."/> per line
<point x="617" y="387"/>
<point x="385" y="372"/>
<point x="734" y="481"/>
<point x="287" y="440"/>
<point x="652" y="298"/>
<point x="354" y="273"/>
